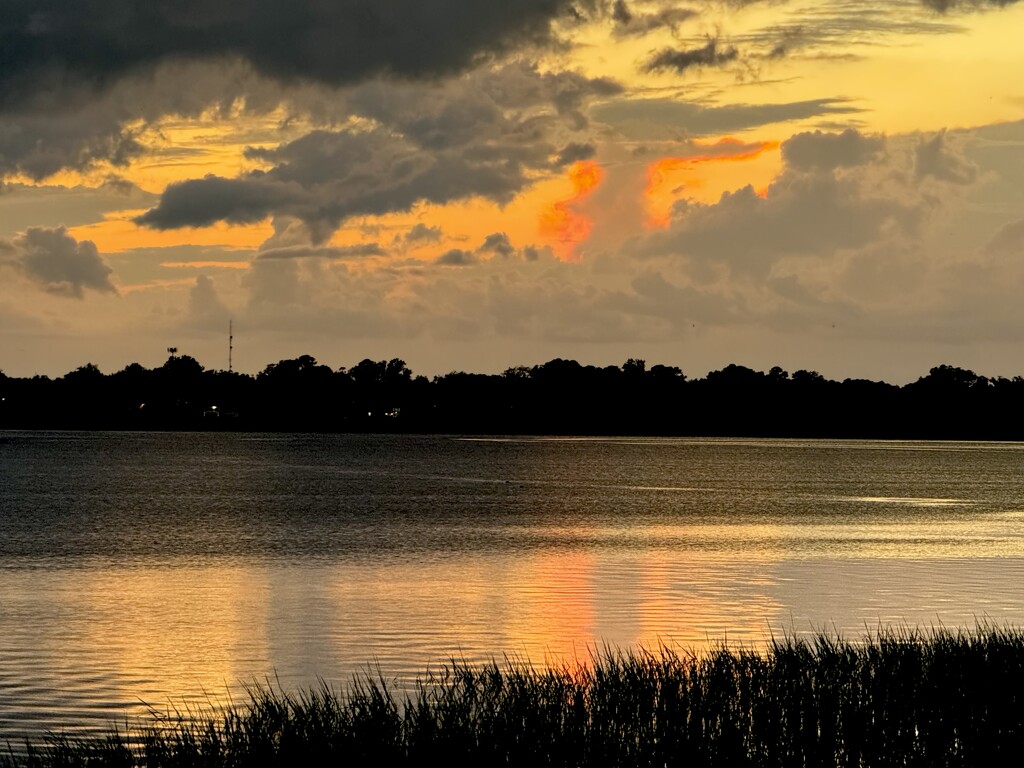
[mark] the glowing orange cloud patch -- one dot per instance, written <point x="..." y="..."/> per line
<point x="669" y="176"/>
<point x="560" y="223"/>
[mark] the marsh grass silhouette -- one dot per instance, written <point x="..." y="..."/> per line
<point x="896" y="698"/>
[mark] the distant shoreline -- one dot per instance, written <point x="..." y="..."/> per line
<point x="560" y="397"/>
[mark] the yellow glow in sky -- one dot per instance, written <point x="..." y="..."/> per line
<point x="119" y="234"/>
<point x="571" y="153"/>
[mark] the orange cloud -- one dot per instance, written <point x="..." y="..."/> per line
<point x="119" y="233"/>
<point x="560" y="223"/>
<point x="668" y="177"/>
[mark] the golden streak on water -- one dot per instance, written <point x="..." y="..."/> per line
<point x="363" y="567"/>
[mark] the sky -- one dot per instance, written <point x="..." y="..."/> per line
<point x="832" y="185"/>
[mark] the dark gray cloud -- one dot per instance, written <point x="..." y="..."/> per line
<point x="47" y="42"/>
<point x="709" y="55"/>
<point x="456" y="257"/>
<point x="531" y="253"/>
<point x="497" y="243"/>
<point x="825" y="151"/>
<point x="201" y="202"/>
<point x="40" y="146"/>
<point x="519" y="84"/>
<point x="667" y="118"/>
<point x="79" y="81"/>
<point x="56" y="261"/>
<point x="631" y="24"/>
<point x="509" y="105"/>
<point x="943" y="6"/>
<point x="838" y="29"/>
<point x="488" y="135"/>
<point x="421" y="233"/>
<point x="575" y="152"/>
<point x="621" y="13"/>
<point x="326" y="177"/>
<point x="833" y="30"/>
<point x="64" y="124"/>
<point x="331" y="252"/>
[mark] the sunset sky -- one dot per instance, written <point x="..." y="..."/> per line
<point x="835" y="185"/>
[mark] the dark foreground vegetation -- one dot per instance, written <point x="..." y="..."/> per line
<point x="943" y="699"/>
<point x="558" y="397"/>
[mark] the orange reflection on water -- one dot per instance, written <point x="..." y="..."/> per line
<point x="184" y="635"/>
<point x="556" y="617"/>
<point x="405" y="617"/>
<point x="698" y="606"/>
<point x="170" y="636"/>
<point x="410" y="617"/>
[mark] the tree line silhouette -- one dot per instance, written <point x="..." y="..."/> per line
<point x="557" y="397"/>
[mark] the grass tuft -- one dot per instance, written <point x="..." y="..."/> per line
<point x="898" y="698"/>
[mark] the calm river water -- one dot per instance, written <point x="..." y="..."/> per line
<point x="168" y="570"/>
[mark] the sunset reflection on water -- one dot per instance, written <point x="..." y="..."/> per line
<point x="191" y="637"/>
<point x="292" y="568"/>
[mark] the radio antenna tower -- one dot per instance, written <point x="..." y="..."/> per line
<point x="231" y="342"/>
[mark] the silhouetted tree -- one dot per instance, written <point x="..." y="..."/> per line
<point x="82" y="397"/>
<point x="667" y="373"/>
<point x="559" y="396"/>
<point x="949" y="378"/>
<point x="300" y="393"/>
<point x="634" y="367"/>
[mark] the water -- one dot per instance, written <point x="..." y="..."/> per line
<point x="163" y="571"/>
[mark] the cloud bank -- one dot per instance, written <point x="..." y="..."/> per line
<point x="488" y="135"/>
<point x="95" y="42"/>
<point x="54" y="260"/>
